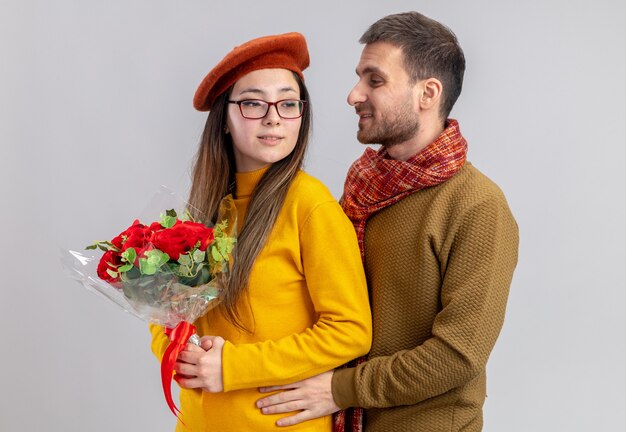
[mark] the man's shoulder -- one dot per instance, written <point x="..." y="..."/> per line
<point x="471" y="194"/>
<point x="467" y="190"/>
<point x="470" y="186"/>
<point x="469" y="175"/>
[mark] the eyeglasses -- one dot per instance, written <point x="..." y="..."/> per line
<point x="257" y="109"/>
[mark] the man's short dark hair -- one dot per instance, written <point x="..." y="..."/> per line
<point x="430" y="49"/>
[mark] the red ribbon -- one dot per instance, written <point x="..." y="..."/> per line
<point x="179" y="336"/>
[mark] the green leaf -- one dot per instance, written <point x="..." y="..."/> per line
<point x="171" y="212"/>
<point x="103" y="246"/>
<point x="147" y="267"/>
<point x="199" y="256"/>
<point x="112" y="273"/>
<point x="129" y="255"/>
<point x="155" y="258"/>
<point x="225" y="246"/>
<point x="168" y="221"/>
<point x="125" y="268"/>
<point x="184" y="271"/>
<point x="216" y="255"/>
<point x="184" y="259"/>
<point x="164" y="258"/>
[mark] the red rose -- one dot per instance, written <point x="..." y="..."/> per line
<point x="156" y="226"/>
<point x="118" y="240"/>
<point x="109" y="261"/>
<point x="136" y="236"/>
<point x="207" y="235"/>
<point x="201" y="233"/>
<point x="181" y="238"/>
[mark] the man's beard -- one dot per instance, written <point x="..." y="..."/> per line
<point x="402" y="126"/>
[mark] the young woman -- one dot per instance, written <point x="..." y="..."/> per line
<point x="296" y="302"/>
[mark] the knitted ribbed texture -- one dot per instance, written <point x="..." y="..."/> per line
<point x="439" y="264"/>
<point x="376" y="181"/>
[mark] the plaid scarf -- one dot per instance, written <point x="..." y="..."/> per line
<point x="376" y="181"/>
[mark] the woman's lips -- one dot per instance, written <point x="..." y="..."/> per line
<point x="270" y="139"/>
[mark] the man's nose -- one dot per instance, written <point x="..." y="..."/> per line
<point x="356" y="95"/>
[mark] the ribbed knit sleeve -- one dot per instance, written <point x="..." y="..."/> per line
<point x="477" y="256"/>
<point x="337" y="289"/>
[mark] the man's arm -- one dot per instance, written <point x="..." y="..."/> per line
<point x="477" y="269"/>
<point x="474" y="295"/>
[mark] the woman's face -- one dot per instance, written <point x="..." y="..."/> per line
<point x="261" y="142"/>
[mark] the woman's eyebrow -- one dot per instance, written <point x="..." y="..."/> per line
<point x="258" y="91"/>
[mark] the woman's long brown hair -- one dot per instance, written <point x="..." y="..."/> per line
<point x="213" y="178"/>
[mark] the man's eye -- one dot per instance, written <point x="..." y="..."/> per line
<point x="375" y="82"/>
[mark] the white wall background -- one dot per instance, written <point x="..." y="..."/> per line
<point x="95" y="113"/>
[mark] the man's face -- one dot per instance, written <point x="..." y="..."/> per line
<point x="384" y="97"/>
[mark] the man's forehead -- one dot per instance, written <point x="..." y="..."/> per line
<point x="369" y="69"/>
<point x="380" y="58"/>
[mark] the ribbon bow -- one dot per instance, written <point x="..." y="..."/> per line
<point x="179" y="336"/>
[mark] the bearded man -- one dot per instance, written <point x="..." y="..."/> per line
<point x="438" y="242"/>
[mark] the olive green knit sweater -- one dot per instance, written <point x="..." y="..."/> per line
<point x="439" y="264"/>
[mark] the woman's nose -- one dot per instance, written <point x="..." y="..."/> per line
<point x="272" y="116"/>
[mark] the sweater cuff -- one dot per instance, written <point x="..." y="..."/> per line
<point x="343" y="388"/>
<point x="227" y="372"/>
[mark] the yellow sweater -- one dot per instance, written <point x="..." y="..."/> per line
<point x="307" y="307"/>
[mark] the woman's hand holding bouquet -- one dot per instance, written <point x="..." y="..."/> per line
<point x="169" y="273"/>
<point x="201" y="367"/>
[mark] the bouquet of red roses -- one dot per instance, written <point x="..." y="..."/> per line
<point x="167" y="272"/>
<point x="163" y="268"/>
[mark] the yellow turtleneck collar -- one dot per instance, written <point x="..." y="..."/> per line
<point x="245" y="182"/>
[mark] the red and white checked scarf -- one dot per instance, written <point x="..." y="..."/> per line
<point x="376" y="181"/>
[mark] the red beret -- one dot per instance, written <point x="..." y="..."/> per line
<point x="285" y="51"/>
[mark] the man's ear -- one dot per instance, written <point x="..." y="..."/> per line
<point x="430" y="94"/>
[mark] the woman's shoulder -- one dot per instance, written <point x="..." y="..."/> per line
<point x="309" y="188"/>
<point x="307" y="194"/>
<point x="312" y="204"/>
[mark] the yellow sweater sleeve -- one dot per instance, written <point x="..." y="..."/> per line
<point x="159" y="341"/>
<point x="337" y="288"/>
